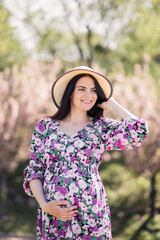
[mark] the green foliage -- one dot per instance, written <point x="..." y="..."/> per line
<point x="142" y="36"/>
<point x="15" y="179"/>
<point x="10" y="49"/>
<point x="52" y="42"/>
<point x="158" y="190"/>
<point x="150" y="231"/>
<point x="19" y="219"/>
<point x="125" y="189"/>
<point x="128" y="197"/>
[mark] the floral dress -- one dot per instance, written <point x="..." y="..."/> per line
<point x="68" y="169"/>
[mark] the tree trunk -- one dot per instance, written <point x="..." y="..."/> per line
<point x="3" y="198"/>
<point x="153" y="195"/>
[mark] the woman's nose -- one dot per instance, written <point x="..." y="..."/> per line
<point x="88" y="93"/>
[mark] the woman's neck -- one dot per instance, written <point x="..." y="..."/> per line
<point x="73" y="117"/>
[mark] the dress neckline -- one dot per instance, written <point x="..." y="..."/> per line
<point x="73" y="135"/>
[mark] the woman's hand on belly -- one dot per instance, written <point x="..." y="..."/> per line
<point x="58" y="210"/>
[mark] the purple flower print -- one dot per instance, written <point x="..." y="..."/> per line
<point x="43" y="234"/>
<point x="51" y="156"/>
<point x="94" y="201"/>
<point x="94" y="146"/>
<point x="33" y="156"/>
<point x="41" y="128"/>
<point x="86" y="237"/>
<point x="108" y="211"/>
<point x="99" y="203"/>
<point x="53" y="146"/>
<point x="95" y="229"/>
<point x="95" y="169"/>
<point x="56" y="158"/>
<point x="91" y="191"/>
<point x="42" y="150"/>
<point x="34" y="175"/>
<point x="36" y="148"/>
<point x="66" y="180"/>
<point x="88" y="152"/>
<point x="120" y="145"/>
<point x="63" y="164"/>
<point x="79" y="169"/>
<point x="56" y="180"/>
<point x="63" y="233"/>
<point x="139" y="122"/>
<point x="76" y="183"/>
<point x="109" y="148"/>
<point x="63" y="190"/>
<point x="87" y="161"/>
<point x="51" y="166"/>
<point x="57" y="188"/>
<point x="55" y="223"/>
<point x="116" y="133"/>
<point x="84" y="173"/>
<point x="59" y="232"/>
<point x="130" y="127"/>
<point x="125" y="136"/>
<point x="80" y="218"/>
<point x="76" y="201"/>
<point x="39" y="222"/>
<point x="65" y="170"/>
<point x="65" y="224"/>
<point x="72" y="159"/>
<point x="99" y="214"/>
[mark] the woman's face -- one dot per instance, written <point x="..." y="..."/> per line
<point x="84" y="95"/>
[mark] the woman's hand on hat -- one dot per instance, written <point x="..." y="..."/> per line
<point x="58" y="210"/>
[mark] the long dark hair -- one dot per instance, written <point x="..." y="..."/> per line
<point x="95" y="112"/>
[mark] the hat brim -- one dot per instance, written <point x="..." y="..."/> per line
<point x="62" y="81"/>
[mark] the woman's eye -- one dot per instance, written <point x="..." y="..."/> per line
<point x="81" y="89"/>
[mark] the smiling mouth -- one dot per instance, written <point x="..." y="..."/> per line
<point x="87" y="102"/>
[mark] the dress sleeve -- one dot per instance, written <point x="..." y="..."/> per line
<point x="35" y="169"/>
<point x="127" y="134"/>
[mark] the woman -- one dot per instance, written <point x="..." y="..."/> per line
<point x="66" y="151"/>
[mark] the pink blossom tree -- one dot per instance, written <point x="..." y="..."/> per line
<point x="25" y="97"/>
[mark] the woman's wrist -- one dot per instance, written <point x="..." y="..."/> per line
<point x="42" y="203"/>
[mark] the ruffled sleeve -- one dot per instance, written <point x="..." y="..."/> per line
<point x="127" y="134"/>
<point x="36" y="166"/>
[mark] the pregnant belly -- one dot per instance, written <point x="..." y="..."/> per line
<point x="76" y="190"/>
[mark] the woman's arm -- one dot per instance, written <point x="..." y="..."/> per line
<point x="52" y="207"/>
<point x="129" y="133"/>
<point x="116" y="108"/>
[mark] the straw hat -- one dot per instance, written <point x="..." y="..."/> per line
<point x="62" y="81"/>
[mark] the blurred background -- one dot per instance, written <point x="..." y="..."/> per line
<point x="39" y="40"/>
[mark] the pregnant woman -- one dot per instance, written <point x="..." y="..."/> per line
<point x="66" y="151"/>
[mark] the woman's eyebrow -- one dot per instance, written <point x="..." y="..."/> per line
<point x="85" y="87"/>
